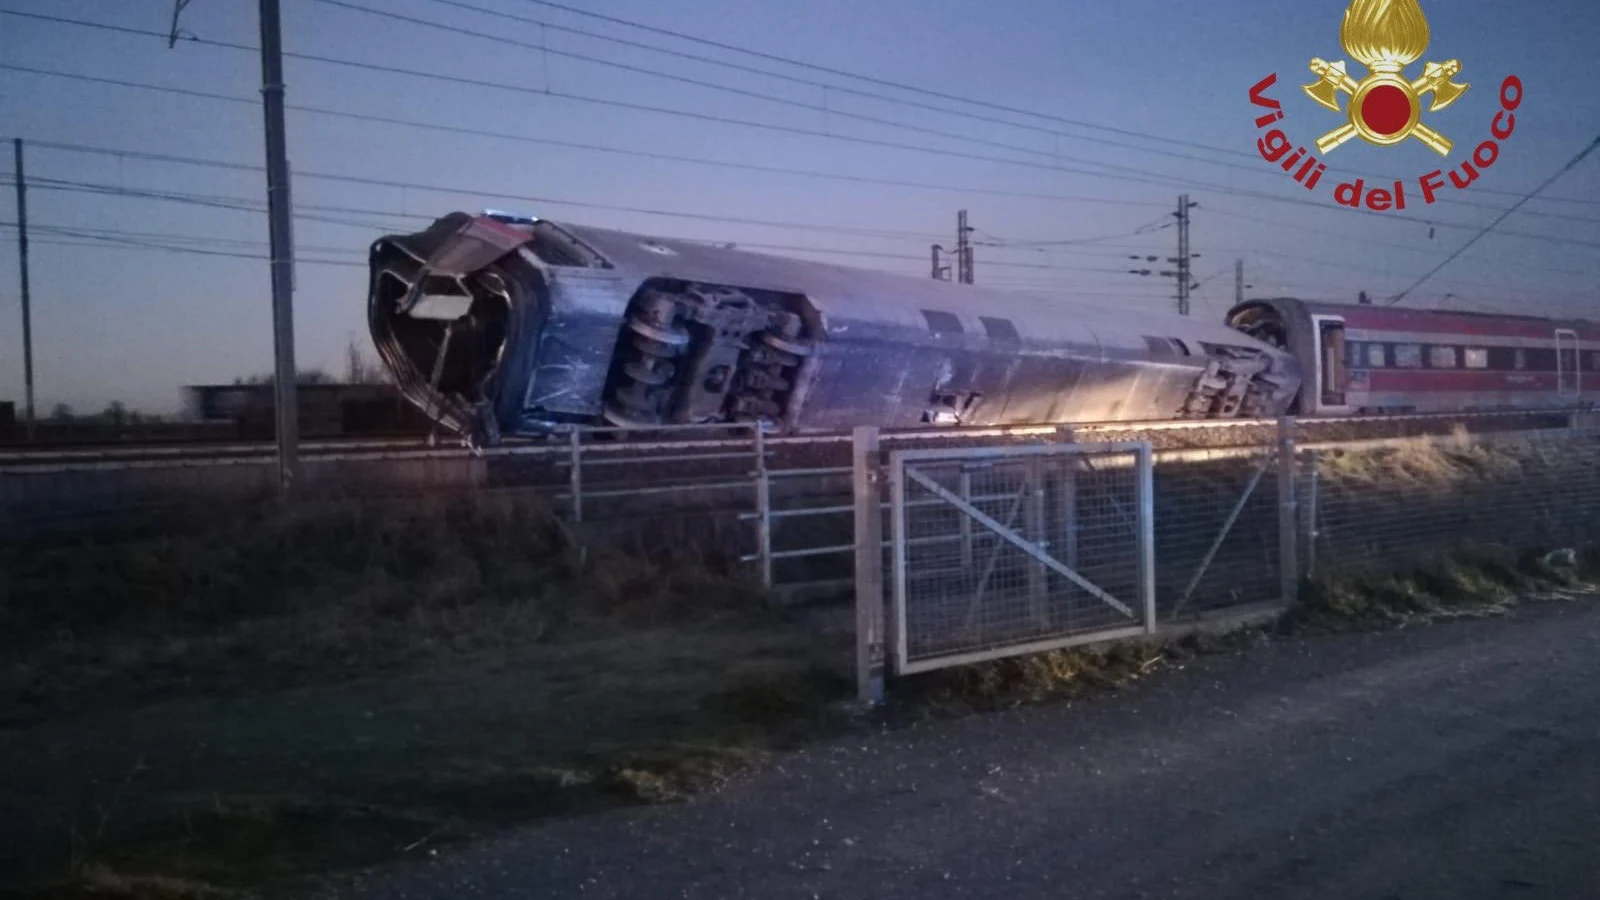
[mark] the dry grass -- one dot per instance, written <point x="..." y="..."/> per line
<point x="330" y="590"/>
<point x="231" y="701"/>
<point x="1474" y="580"/>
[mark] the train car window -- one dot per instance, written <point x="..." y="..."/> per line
<point x="1000" y="329"/>
<point x="1408" y="356"/>
<point x="942" y="322"/>
<point x="1521" y="360"/>
<point x="1160" y="347"/>
<point x="1442" y="358"/>
<point x="1376" y="357"/>
<point x="1477" y="358"/>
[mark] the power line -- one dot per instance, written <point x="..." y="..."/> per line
<point x="620" y="104"/>
<point x="836" y="72"/>
<point x="178" y="239"/>
<point x="1252" y="168"/>
<point x="1044" y="246"/>
<point x="831" y="251"/>
<point x="228" y="202"/>
<point x="1140" y="175"/>
<point x="1223" y="189"/>
<point x="240" y="204"/>
<point x="598" y="148"/>
<point x="392" y="183"/>
<point x="709" y="85"/>
<point x="548" y="92"/>
<point x="1347" y="268"/>
<point x="915" y="89"/>
<point x="1357" y="239"/>
<point x="1163" y="181"/>
<point x="1571" y="164"/>
<point x="248" y="205"/>
<point x="134" y="242"/>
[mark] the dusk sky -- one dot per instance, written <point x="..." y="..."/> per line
<point x="1141" y="100"/>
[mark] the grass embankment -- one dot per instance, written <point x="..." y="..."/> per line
<point x="1436" y="529"/>
<point x="232" y="701"/>
<point x="229" y="701"/>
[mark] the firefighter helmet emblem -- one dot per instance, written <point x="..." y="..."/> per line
<point x="1385" y="108"/>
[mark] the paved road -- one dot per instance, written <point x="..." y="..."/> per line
<point x="1456" y="761"/>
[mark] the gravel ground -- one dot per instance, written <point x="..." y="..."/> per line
<point x="1453" y="761"/>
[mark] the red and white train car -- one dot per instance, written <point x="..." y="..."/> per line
<point x="1378" y="359"/>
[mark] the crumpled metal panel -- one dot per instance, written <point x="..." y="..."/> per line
<point x="575" y="345"/>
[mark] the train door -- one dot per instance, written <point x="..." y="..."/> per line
<point x="1568" y="376"/>
<point x="1332" y="364"/>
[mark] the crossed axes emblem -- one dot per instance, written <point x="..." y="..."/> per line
<point x="1335" y="80"/>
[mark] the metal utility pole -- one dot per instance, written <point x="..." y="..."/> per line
<point x="22" y="266"/>
<point x="1185" y="282"/>
<point x="1184" y="259"/>
<point x="282" y="246"/>
<point x="963" y="248"/>
<point x="940" y="273"/>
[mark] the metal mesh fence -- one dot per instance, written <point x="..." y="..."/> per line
<point x="1216" y="533"/>
<point x="1396" y="506"/>
<point x="995" y="553"/>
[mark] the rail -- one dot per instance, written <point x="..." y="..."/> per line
<point x="138" y="456"/>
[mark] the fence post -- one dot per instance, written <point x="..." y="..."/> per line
<point x="1034" y="531"/>
<point x="1145" y="463"/>
<point x="966" y="521"/>
<point x="576" y="475"/>
<point x="763" y="507"/>
<point x="1068" y="500"/>
<point x="870" y="644"/>
<point x="1288" y="520"/>
<point x="1312" y="461"/>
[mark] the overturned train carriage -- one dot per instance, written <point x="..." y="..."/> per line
<point x="498" y="326"/>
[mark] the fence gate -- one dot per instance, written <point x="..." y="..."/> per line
<point x="999" y="551"/>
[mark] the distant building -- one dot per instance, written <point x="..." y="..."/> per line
<point x="326" y="410"/>
<point x="8" y="418"/>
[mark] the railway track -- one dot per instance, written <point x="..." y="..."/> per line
<point x="704" y="442"/>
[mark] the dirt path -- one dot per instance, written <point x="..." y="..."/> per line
<point x="1455" y="761"/>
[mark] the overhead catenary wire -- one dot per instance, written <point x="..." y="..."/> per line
<point x="1571" y="164"/>
<point x="922" y="89"/>
<point x="134" y="242"/>
<point x="1378" y="242"/>
<point x="1222" y="189"/>
<point x="414" y="186"/>
<point x="127" y="236"/>
<point x="1252" y="168"/>
<point x="1138" y="175"/>
<point x="251" y="205"/>
<point x="1547" y="238"/>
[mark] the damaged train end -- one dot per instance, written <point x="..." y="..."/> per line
<point x="500" y="326"/>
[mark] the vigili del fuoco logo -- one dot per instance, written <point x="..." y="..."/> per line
<point x="1385" y="108"/>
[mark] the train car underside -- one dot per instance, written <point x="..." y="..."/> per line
<point x="496" y="329"/>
